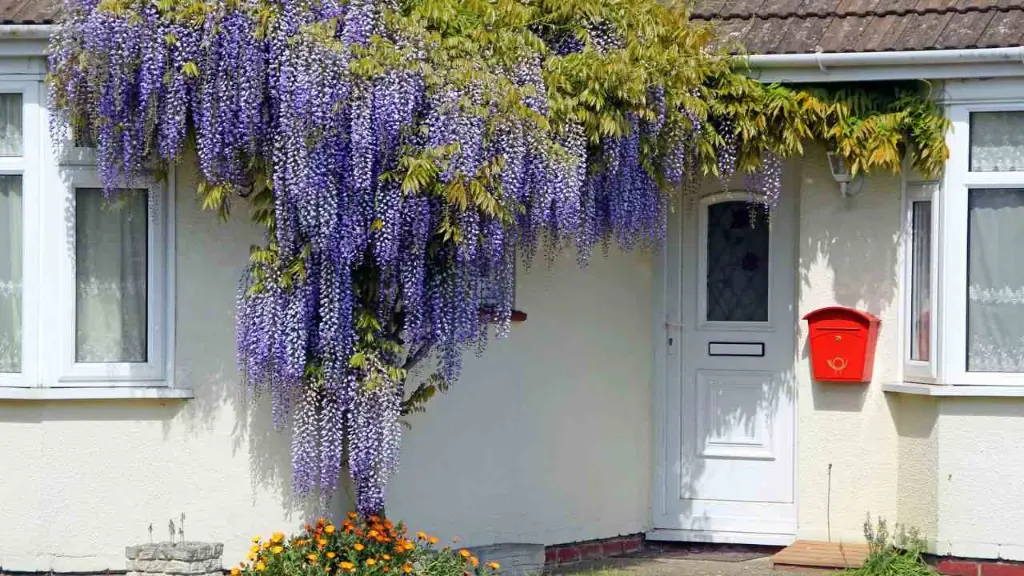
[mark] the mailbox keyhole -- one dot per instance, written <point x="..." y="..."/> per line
<point x="839" y="338"/>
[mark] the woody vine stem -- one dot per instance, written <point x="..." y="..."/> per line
<point x="403" y="155"/>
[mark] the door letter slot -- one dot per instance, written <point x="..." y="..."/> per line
<point x="753" y="349"/>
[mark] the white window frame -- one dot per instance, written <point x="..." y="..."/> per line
<point x="919" y="370"/>
<point x="111" y="373"/>
<point x="30" y="167"/>
<point x="950" y="252"/>
<point x="49" y="180"/>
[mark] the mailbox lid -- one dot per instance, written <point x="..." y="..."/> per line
<point x="841" y="317"/>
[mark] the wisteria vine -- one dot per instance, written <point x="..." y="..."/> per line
<point x="403" y="155"/>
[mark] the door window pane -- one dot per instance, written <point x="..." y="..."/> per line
<point x="995" y="281"/>
<point x="10" y="125"/>
<point x="111" y="259"/>
<point x="921" y="282"/>
<point x="997" y="141"/>
<point x="737" y="265"/>
<point x="10" y="273"/>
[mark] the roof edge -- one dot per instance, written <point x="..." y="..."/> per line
<point x="867" y="66"/>
<point x="27" y="31"/>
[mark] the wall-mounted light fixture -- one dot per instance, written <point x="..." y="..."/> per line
<point x="849" y="185"/>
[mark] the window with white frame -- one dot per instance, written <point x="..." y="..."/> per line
<point x="83" y="271"/>
<point x="966" y="325"/>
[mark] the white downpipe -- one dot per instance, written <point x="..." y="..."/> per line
<point x="826" y="60"/>
<point x="27" y="31"/>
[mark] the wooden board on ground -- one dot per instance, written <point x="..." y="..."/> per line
<point x="808" y="554"/>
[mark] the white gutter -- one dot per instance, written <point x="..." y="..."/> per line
<point x="860" y="66"/>
<point x="27" y="31"/>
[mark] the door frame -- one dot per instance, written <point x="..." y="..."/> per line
<point x="667" y="324"/>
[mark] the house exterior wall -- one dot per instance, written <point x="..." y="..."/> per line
<point x="547" y="438"/>
<point x="947" y="466"/>
<point x="847" y="256"/>
<point x="981" y="463"/>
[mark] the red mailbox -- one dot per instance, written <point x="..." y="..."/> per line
<point x="842" y="344"/>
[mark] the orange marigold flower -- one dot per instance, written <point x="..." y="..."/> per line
<point x="386" y="557"/>
<point x="255" y="539"/>
<point x="322" y="542"/>
<point x="374" y="519"/>
<point x="370" y="561"/>
<point x="474" y="561"/>
<point x="407" y="568"/>
<point x="235" y="571"/>
<point x="347" y="565"/>
<point x="421" y="535"/>
<point x="331" y="554"/>
<point x="327" y="568"/>
<point x="359" y="547"/>
<point x="254" y="549"/>
<point x="494" y="565"/>
<point x="464" y="553"/>
<point x="277" y="537"/>
<point x="353" y="515"/>
<point x="312" y="557"/>
<point x="409" y="546"/>
<point x="433" y="540"/>
<point x="260" y="566"/>
<point x="277" y="549"/>
<point x="372" y="533"/>
<point x="251" y="556"/>
<point x="329" y="528"/>
<point x="321" y="521"/>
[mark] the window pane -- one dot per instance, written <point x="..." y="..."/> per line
<point x="10" y="273"/>
<point x="737" y="283"/>
<point x="921" y="283"/>
<point x="10" y="125"/>
<point x="111" y="254"/>
<point x="995" y="280"/>
<point x="997" y="141"/>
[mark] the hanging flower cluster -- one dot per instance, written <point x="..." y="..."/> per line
<point x="402" y="154"/>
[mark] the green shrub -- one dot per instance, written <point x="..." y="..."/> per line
<point x="358" y="547"/>
<point x="896" y="554"/>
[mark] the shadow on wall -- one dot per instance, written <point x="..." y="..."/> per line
<point x="849" y="241"/>
<point x="168" y="457"/>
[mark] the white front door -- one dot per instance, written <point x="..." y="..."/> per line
<point x="726" y="438"/>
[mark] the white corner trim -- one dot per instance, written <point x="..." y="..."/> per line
<point x="946" y="390"/>
<point x="91" y="393"/>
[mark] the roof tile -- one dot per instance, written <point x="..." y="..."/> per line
<point x="803" y="26"/>
<point x="27" y="11"/>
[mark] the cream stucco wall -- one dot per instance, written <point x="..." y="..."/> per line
<point x="960" y="477"/>
<point x="547" y="438"/>
<point x="847" y="441"/>
<point x="950" y="467"/>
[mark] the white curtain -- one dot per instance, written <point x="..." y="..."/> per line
<point x="921" y="283"/>
<point x="995" y="276"/>
<point x="10" y="273"/>
<point x="110" y="268"/>
<point x="10" y="125"/>
<point x="997" y="141"/>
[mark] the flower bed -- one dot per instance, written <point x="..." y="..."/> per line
<point x="371" y="546"/>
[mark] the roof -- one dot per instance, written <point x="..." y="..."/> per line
<point x="28" y="11"/>
<point x="805" y="26"/>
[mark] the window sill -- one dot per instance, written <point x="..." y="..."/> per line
<point x="948" y="391"/>
<point x="88" y="393"/>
